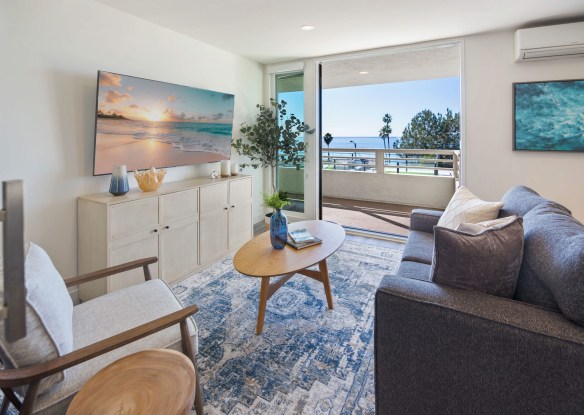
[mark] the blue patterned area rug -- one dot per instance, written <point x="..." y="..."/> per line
<point x="309" y="359"/>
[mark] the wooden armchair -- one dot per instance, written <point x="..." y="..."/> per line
<point x="144" y="316"/>
<point x="48" y="347"/>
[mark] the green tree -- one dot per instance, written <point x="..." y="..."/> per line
<point x="328" y="138"/>
<point x="273" y="139"/>
<point x="385" y="130"/>
<point x="431" y="131"/>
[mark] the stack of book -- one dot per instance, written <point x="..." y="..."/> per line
<point x="301" y="238"/>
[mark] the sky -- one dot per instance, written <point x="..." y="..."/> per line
<point x="358" y="111"/>
<point x="143" y="99"/>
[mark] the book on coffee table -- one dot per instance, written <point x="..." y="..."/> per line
<point x="301" y="236"/>
<point x="300" y="245"/>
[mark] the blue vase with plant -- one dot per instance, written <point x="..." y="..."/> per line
<point x="278" y="229"/>
<point x="278" y="221"/>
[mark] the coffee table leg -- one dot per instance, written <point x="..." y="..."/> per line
<point x="264" y="295"/>
<point x="325" y="281"/>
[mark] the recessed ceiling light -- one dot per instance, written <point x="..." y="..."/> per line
<point x="306" y="27"/>
<point x="363" y="73"/>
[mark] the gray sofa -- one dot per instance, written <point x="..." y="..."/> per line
<point x="445" y="350"/>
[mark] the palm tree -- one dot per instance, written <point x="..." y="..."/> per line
<point x="328" y="138"/>
<point x="385" y="130"/>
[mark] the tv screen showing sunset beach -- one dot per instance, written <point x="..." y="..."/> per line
<point x="143" y="123"/>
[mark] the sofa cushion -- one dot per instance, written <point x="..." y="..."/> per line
<point x="553" y="261"/>
<point x="49" y="318"/>
<point x="419" y="247"/>
<point x="521" y="199"/>
<point x="466" y="207"/>
<point x="107" y="316"/>
<point x="415" y="270"/>
<point x="487" y="261"/>
<point x="481" y="226"/>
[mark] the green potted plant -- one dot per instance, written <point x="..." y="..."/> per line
<point x="278" y="221"/>
<point x="276" y="201"/>
<point x="271" y="141"/>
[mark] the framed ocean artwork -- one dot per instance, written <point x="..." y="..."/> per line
<point x="548" y="116"/>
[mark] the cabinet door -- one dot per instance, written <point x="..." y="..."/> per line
<point x="240" y="225"/>
<point x="131" y="217"/>
<point x="178" y="248"/>
<point x="179" y="205"/>
<point x="240" y="192"/>
<point x="213" y="235"/>
<point x="240" y="212"/>
<point x="214" y="198"/>
<point x="130" y="249"/>
<point x="214" y="221"/>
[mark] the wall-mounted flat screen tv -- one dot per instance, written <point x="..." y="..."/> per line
<point x="143" y="123"/>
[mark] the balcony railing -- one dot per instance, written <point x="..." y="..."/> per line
<point x="394" y="161"/>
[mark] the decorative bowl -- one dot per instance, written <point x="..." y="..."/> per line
<point x="150" y="180"/>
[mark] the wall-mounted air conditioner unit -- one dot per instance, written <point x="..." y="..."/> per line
<point x="548" y="42"/>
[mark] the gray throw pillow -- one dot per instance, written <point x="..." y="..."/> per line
<point x="488" y="261"/>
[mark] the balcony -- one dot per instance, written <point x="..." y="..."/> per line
<point x="376" y="189"/>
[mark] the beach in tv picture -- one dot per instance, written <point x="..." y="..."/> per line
<point x="143" y="123"/>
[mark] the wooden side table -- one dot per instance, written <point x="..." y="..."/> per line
<point x="151" y="382"/>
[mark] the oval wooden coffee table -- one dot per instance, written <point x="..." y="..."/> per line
<point x="151" y="382"/>
<point x="258" y="258"/>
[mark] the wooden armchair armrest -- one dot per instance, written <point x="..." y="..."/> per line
<point x="10" y="378"/>
<point x="106" y="272"/>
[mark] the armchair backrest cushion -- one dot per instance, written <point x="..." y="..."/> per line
<point x="49" y="318"/>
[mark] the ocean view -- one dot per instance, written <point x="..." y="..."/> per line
<point x="362" y="142"/>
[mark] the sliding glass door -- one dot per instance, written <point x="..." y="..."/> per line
<point x="290" y="179"/>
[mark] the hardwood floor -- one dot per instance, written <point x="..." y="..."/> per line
<point x="386" y="218"/>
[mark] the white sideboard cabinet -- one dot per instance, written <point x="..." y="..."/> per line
<point x="185" y="224"/>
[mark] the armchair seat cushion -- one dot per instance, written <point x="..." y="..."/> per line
<point x="107" y="316"/>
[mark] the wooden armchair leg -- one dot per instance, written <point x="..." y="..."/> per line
<point x="188" y="351"/>
<point x="30" y="398"/>
<point x="10" y="398"/>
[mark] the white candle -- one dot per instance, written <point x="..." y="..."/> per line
<point x="225" y="168"/>
<point x="235" y="169"/>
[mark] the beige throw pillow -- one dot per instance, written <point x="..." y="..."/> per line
<point x="475" y="228"/>
<point x="465" y="207"/>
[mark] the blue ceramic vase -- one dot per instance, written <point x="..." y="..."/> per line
<point x="119" y="184"/>
<point x="278" y="229"/>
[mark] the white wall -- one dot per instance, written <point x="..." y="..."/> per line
<point x="490" y="163"/>
<point x="430" y="191"/>
<point x="50" y="52"/>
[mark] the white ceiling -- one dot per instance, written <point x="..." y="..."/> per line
<point x="426" y="63"/>
<point x="268" y="30"/>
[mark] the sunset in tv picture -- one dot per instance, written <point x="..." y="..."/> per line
<point x="143" y="123"/>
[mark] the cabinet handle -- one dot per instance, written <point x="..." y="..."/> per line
<point x="155" y="230"/>
<point x="232" y="206"/>
<point x="167" y="227"/>
<point x="225" y="208"/>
